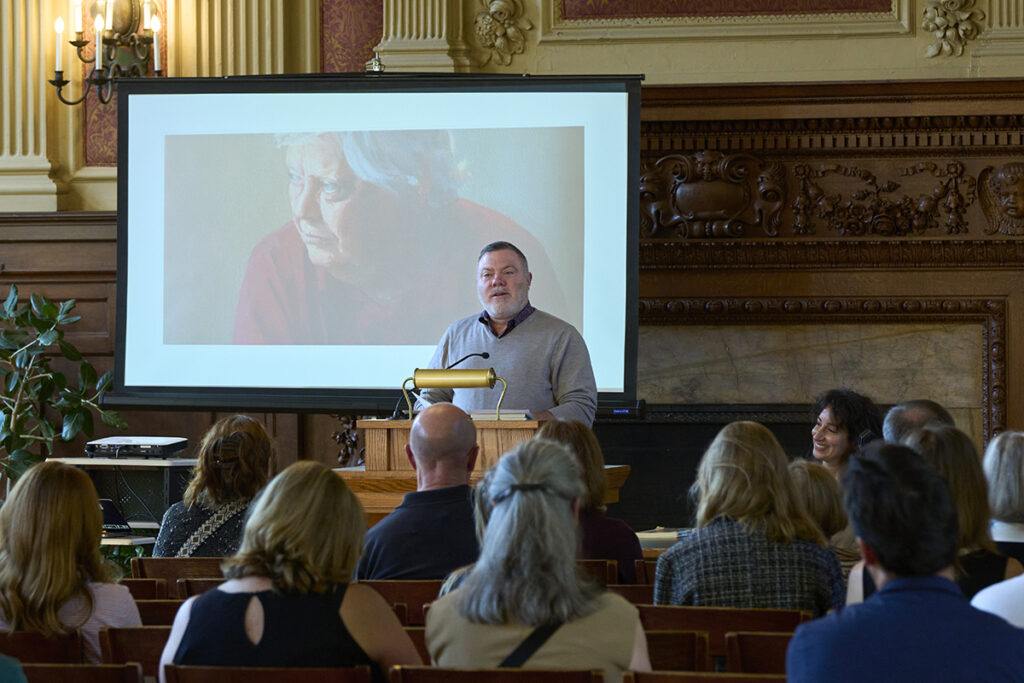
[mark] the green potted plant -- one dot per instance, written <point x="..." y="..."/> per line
<point x="38" y="406"/>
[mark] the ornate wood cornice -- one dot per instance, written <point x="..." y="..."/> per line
<point x="989" y="313"/>
<point x="828" y="254"/>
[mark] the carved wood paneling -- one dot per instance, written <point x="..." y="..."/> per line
<point x="989" y="313"/>
<point x="827" y="254"/>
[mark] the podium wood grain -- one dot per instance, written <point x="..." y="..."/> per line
<point x="388" y="476"/>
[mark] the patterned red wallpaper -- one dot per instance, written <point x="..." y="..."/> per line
<point x="645" y="9"/>
<point x="349" y="31"/>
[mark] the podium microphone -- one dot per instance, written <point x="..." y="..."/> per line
<point x="483" y="355"/>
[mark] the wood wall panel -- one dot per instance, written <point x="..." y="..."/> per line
<point x="838" y="203"/>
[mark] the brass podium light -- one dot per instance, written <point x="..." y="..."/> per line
<point x="454" y="379"/>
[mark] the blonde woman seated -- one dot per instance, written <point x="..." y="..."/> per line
<point x="232" y="465"/>
<point x="823" y="500"/>
<point x="288" y="602"/>
<point x="526" y="580"/>
<point x="52" y="576"/>
<point x="754" y="545"/>
<point x="978" y="563"/>
<point x="603" y="538"/>
<point x="1004" y="472"/>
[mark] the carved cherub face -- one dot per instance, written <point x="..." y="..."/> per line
<point x="1008" y="184"/>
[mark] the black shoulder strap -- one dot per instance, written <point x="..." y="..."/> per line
<point x="525" y="650"/>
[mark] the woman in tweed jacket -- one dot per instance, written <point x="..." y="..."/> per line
<point x="754" y="545"/>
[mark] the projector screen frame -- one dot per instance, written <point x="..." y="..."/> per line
<point x="354" y="400"/>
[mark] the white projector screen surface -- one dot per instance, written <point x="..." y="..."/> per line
<point x="324" y="240"/>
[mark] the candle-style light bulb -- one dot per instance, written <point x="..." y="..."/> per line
<point x="156" y="43"/>
<point x="76" y="15"/>
<point x="58" y="26"/>
<point x="98" y="24"/>
<point x="109" y="21"/>
<point x="146" y="14"/>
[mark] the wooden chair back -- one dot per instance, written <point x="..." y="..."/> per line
<point x="697" y="677"/>
<point x="232" y="674"/>
<point x="142" y="644"/>
<point x="36" y="648"/>
<point x="413" y="594"/>
<point x="756" y="653"/>
<point x="192" y="586"/>
<point x="645" y="570"/>
<point x="158" y="612"/>
<point x="436" y="674"/>
<point x="678" y="650"/>
<point x="718" y="621"/>
<point x="605" y="571"/>
<point x="82" y="673"/>
<point x="418" y="636"/>
<point x="146" y="589"/>
<point x="636" y="593"/>
<point x="173" y="568"/>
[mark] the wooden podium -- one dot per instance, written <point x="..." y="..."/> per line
<point x="388" y="476"/>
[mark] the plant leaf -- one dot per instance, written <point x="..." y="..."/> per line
<point x="19" y="462"/>
<point x="37" y="301"/>
<point x="87" y="422"/>
<point x="113" y="419"/>
<point x="11" y="381"/>
<point x="68" y="350"/>
<point x="11" y="301"/>
<point x="105" y="381"/>
<point x="72" y="425"/>
<point x="49" y="337"/>
<point x="86" y="375"/>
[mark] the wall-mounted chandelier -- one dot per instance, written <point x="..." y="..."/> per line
<point x="127" y="35"/>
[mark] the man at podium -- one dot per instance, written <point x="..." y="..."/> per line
<point x="543" y="359"/>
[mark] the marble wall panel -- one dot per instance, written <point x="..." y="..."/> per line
<point x="793" y="363"/>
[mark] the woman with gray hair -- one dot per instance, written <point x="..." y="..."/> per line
<point x="526" y="586"/>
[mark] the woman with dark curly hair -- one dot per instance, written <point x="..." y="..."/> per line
<point x="843" y="421"/>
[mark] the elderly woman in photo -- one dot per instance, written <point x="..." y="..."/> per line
<point x="52" y="577"/>
<point x="232" y="465"/>
<point x="754" y="545"/>
<point x="526" y="580"/>
<point x="288" y="602"/>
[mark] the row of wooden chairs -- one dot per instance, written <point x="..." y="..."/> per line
<point x="173" y="569"/>
<point x="669" y="650"/>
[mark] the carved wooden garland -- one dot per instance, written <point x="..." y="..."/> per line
<point x="990" y="313"/>
<point x="709" y="194"/>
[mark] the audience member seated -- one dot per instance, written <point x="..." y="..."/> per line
<point x="526" y="584"/>
<point x="918" y="626"/>
<point x="910" y="416"/>
<point x="754" y="545"/>
<point x="232" y="465"/>
<point x="978" y="564"/>
<point x="843" y="421"/>
<point x="287" y="601"/>
<point x="52" y="576"/>
<point x="431" y="532"/>
<point x="604" y="538"/>
<point x="1004" y="471"/>
<point x="823" y="499"/>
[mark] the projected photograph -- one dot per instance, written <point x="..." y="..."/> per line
<point x="358" y="237"/>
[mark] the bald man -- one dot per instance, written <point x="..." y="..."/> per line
<point x="431" y="532"/>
